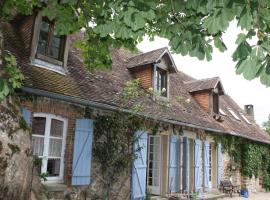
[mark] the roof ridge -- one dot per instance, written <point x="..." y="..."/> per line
<point x="149" y="52"/>
<point x="196" y="80"/>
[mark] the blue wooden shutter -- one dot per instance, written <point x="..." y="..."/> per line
<point x="26" y="115"/>
<point x="173" y="167"/>
<point x="197" y="165"/>
<point x="82" y="152"/>
<point x="206" y="165"/>
<point x="185" y="164"/>
<point x="219" y="163"/>
<point x="139" y="167"/>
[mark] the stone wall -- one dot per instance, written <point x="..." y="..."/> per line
<point x="16" y="166"/>
<point x="252" y="184"/>
<point x="230" y="171"/>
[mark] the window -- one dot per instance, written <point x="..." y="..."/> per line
<point x="233" y="114"/>
<point x="210" y="165"/>
<point x="215" y="103"/>
<point x="48" y="140"/>
<point x="244" y="117"/>
<point x="222" y="112"/>
<point x="162" y="82"/>
<point x="50" y="44"/>
<point x="154" y="164"/>
<point x="48" y="50"/>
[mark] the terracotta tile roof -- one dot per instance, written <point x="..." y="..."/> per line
<point x="202" y="84"/>
<point x="106" y="87"/>
<point x="230" y="124"/>
<point x="241" y="127"/>
<point x="145" y="58"/>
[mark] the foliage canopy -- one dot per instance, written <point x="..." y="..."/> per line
<point x="192" y="27"/>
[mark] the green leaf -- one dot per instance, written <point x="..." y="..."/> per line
<point x="4" y="89"/>
<point x="103" y="29"/>
<point x="265" y="79"/>
<point x="242" y="51"/>
<point x="211" y="23"/>
<point x="219" y="44"/>
<point x="267" y="68"/>
<point x="219" y="21"/>
<point x="249" y="68"/>
<point x="138" y="23"/>
<point x="240" y="38"/>
<point x="245" y="19"/>
<point x="149" y="15"/>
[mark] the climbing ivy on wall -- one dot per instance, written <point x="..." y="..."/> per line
<point x="114" y="138"/>
<point x="10" y="76"/>
<point x="253" y="158"/>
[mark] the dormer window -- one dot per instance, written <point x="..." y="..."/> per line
<point x="153" y="69"/>
<point x="50" y="44"/>
<point x="162" y="78"/>
<point x="207" y="93"/>
<point x="49" y="49"/>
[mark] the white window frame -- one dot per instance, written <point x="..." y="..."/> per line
<point x="160" y="97"/>
<point x="222" y="112"/>
<point x="49" y="117"/>
<point x="181" y="159"/>
<point x="244" y="117"/>
<point x="233" y="114"/>
<point x="210" y="164"/>
<point x="59" y="68"/>
<point x="155" y="190"/>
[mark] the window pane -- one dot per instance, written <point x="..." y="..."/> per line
<point x="55" y="46"/>
<point x="215" y="103"/>
<point x="57" y="128"/>
<point x="162" y="82"/>
<point x="55" y="148"/>
<point x="43" y="38"/>
<point x="37" y="145"/>
<point x="53" y="167"/>
<point x="39" y="126"/>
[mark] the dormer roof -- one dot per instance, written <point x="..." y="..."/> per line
<point x="205" y="84"/>
<point x="151" y="57"/>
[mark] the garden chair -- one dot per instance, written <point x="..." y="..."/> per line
<point x="227" y="187"/>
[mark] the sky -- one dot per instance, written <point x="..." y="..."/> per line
<point x="241" y="90"/>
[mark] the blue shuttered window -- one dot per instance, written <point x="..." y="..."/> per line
<point x="139" y="167"/>
<point x="173" y="167"/>
<point x="82" y="152"/>
<point x="206" y="165"/>
<point x="185" y="164"/>
<point x="26" y="115"/>
<point x="219" y="163"/>
<point x="197" y="165"/>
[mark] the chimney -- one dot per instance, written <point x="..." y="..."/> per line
<point x="249" y="110"/>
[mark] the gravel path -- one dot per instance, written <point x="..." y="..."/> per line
<point x="253" y="196"/>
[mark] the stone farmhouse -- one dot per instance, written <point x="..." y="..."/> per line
<point x="181" y="158"/>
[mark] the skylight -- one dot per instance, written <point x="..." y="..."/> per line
<point x="233" y="114"/>
<point x="244" y="117"/>
<point x="222" y="112"/>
